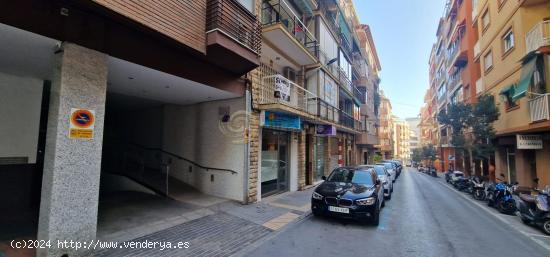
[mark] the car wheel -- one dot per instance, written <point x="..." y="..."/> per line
<point x="546" y="226"/>
<point x="376" y="217"/>
<point x="316" y="213"/>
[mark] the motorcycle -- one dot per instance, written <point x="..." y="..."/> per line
<point x="500" y="196"/>
<point x="478" y="188"/>
<point x="534" y="209"/>
<point x="462" y="184"/>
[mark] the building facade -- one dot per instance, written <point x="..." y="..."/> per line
<point x="513" y="56"/>
<point x="497" y="48"/>
<point x="386" y="129"/>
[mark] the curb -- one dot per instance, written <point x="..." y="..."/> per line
<point x="524" y="233"/>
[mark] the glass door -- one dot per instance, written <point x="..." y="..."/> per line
<point x="320" y="157"/>
<point x="275" y="164"/>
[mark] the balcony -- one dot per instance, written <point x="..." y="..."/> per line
<point x="348" y="121"/>
<point x="326" y="111"/>
<point x="367" y="139"/>
<point x="538" y="36"/>
<point x="278" y="90"/>
<point x="284" y="31"/>
<point x="360" y="94"/>
<point x="233" y="36"/>
<point x="538" y="108"/>
<point x="345" y="82"/>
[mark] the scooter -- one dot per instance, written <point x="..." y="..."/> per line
<point x="534" y="209"/>
<point x="478" y="188"/>
<point x="462" y="184"/>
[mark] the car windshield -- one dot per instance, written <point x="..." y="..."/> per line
<point x="379" y="170"/>
<point x="351" y="176"/>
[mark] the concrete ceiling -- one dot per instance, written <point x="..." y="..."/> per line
<point x="31" y="55"/>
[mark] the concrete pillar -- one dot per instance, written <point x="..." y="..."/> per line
<point x="70" y="185"/>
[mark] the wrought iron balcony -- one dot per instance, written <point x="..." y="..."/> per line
<point x="539" y="108"/>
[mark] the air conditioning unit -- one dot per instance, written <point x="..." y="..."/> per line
<point x="289" y="73"/>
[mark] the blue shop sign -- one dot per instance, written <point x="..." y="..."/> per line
<point x="281" y="120"/>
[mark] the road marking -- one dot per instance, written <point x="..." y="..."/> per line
<point x="544" y="245"/>
<point x="281" y="221"/>
<point x="303" y="208"/>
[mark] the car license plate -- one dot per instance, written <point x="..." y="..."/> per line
<point x="338" y="209"/>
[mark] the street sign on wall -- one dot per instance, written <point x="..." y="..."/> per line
<point x="529" y="141"/>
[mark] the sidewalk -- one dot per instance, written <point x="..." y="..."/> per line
<point x="223" y="229"/>
<point x="512" y="221"/>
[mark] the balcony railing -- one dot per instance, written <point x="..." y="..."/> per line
<point x="236" y="22"/>
<point x="538" y="36"/>
<point x="281" y="13"/>
<point x="277" y="89"/>
<point x="360" y="94"/>
<point x="538" y="108"/>
<point x="344" y="80"/>
<point x="347" y="120"/>
<point x="326" y="111"/>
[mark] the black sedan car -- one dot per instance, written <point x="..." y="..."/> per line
<point x="350" y="193"/>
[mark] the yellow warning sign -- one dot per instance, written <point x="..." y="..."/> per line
<point x="82" y="123"/>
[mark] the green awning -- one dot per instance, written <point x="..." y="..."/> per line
<point x="507" y="90"/>
<point x="525" y="80"/>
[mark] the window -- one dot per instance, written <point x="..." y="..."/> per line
<point x="488" y="59"/>
<point x="508" y="41"/>
<point x="248" y="4"/>
<point x="486" y="19"/>
<point x="441" y="92"/>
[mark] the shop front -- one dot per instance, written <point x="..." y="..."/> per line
<point x="279" y="152"/>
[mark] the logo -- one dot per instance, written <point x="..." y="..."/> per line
<point x="235" y="127"/>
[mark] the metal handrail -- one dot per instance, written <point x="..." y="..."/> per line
<point x="180" y="158"/>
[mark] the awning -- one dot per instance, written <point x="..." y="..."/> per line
<point x="507" y="90"/>
<point x="526" y="75"/>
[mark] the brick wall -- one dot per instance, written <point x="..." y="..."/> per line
<point x="301" y="160"/>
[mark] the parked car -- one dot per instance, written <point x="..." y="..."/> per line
<point x="396" y="166"/>
<point x="384" y="176"/>
<point x="390" y="168"/>
<point x="456" y="176"/>
<point x="349" y="192"/>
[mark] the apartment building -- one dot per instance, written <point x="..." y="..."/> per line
<point x="513" y="47"/>
<point x="401" y="139"/>
<point x="386" y="129"/>
<point x="311" y="94"/>
<point x="415" y="140"/>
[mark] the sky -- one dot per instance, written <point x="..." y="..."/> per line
<point x="403" y="32"/>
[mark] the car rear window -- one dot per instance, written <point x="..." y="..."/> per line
<point x="387" y="165"/>
<point x="351" y="176"/>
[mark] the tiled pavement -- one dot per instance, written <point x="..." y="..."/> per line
<point x="226" y="229"/>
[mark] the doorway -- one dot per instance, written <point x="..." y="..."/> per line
<point x="511" y="162"/>
<point x="275" y="161"/>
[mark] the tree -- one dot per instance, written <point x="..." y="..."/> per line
<point x="417" y="155"/>
<point x="485" y="113"/>
<point x="429" y="153"/>
<point x="458" y="116"/>
<point x="377" y="158"/>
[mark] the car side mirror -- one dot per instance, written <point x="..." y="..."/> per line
<point x="378" y="182"/>
<point x="324" y="177"/>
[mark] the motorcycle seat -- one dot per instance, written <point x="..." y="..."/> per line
<point x="527" y="198"/>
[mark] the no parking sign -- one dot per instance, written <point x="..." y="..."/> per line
<point x="82" y="123"/>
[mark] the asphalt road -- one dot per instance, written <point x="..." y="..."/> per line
<point x="424" y="218"/>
